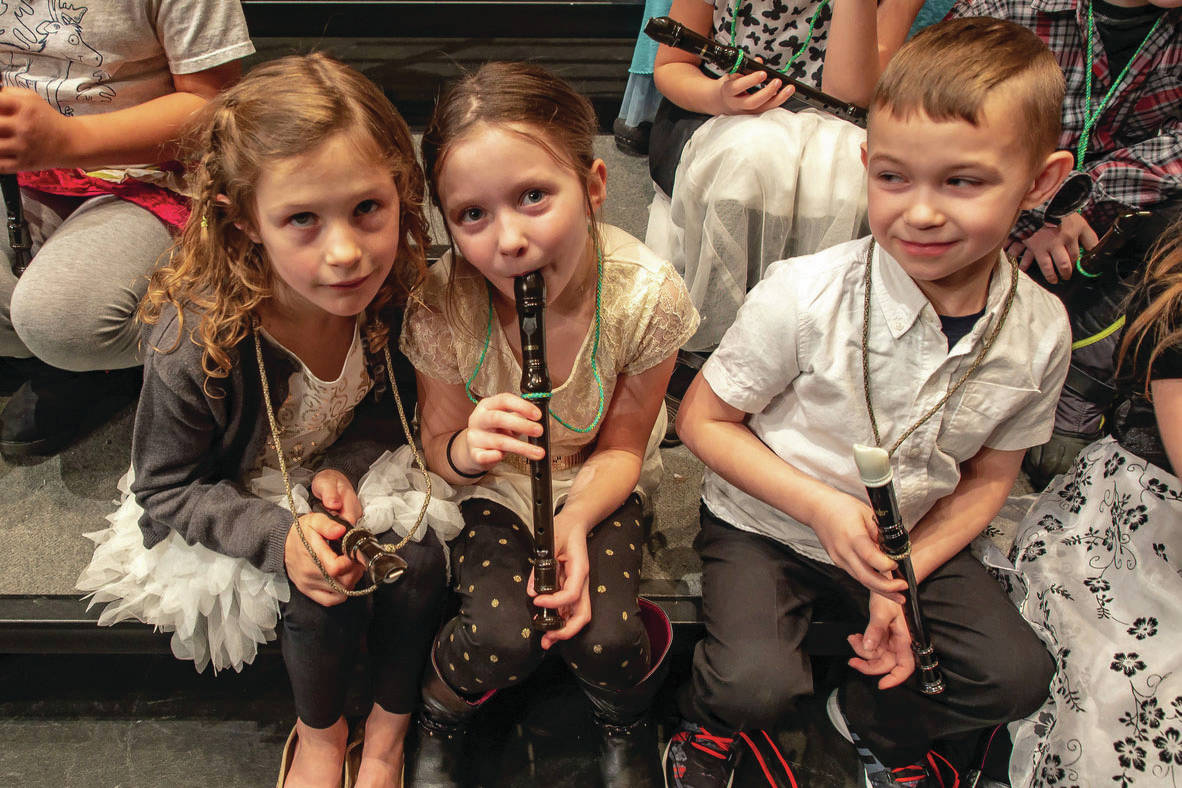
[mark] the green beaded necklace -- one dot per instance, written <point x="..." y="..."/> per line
<point x="1092" y="117"/>
<point x="807" y="40"/>
<point x="594" y="351"/>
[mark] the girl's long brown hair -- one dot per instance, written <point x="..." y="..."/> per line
<point x="282" y="108"/>
<point x="1160" y="323"/>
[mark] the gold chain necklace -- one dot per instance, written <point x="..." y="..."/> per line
<point x="332" y="581"/>
<point x="1005" y="311"/>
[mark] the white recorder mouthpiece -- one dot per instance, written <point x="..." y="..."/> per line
<point x="874" y="465"/>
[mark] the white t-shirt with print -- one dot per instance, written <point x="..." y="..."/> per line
<point x="91" y="56"/>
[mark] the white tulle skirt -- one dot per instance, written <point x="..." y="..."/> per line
<point x="220" y="609"/>
<point x="750" y="190"/>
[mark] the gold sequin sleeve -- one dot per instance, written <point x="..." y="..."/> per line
<point x="671" y="321"/>
<point x="427" y="339"/>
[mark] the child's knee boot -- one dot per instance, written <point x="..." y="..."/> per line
<point x="628" y="742"/>
<point x="437" y="761"/>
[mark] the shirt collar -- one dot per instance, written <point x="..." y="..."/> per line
<point x="900" y="301"/>
<point x="1058" y="6"/>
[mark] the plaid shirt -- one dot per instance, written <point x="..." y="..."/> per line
<point x="1135" y="151"/>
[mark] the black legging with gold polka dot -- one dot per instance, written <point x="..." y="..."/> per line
<point x="490" y="644"/>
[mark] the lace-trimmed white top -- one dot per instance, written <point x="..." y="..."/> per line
<point x="646" y="316"/>
<point x="316" y="411"/>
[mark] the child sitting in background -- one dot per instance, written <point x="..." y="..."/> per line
<point x="923" y="338"/>
<point x="735" y="199"/>
<point x="742" y="181"/>
<point x="1097" y="570"/>
<point x="1122" y="118"/>
<point x="94" y="100"/>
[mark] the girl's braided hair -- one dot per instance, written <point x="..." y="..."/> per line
<point x="281" y="109"/>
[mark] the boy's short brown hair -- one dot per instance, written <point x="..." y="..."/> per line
<point x="949" y="70"/>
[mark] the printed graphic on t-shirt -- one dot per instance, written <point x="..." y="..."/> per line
<point x="43" y="48"/>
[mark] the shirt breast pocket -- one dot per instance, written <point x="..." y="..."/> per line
<point x="981" y="409"/>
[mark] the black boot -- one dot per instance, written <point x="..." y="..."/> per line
<point x="46" y="411"/>
<point x="438" y="759"/>
<point x="628" y="739"/>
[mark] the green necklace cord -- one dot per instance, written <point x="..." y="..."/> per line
<point x="1091" y="118"/>
<point x="594" y="352"/>
<point x="484" y="350"/>
<point x="807" y="39"/>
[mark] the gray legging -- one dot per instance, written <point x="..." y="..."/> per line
<point x="74" y="306"/>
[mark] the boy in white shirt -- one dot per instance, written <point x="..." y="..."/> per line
<point x="965" y="358"/>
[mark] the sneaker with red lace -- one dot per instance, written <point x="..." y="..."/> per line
<point x="697" y="758"/>
<point x="934" y="771"/>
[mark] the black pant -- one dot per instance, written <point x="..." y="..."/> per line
<point x="757" y="600"/>
<point x="320" y="644"/>
<point x="490" y="644"/>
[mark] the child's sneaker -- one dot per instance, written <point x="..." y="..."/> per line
<point x="696" y="758"/>
<point x="928" y="773"/>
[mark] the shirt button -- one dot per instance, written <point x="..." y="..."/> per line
<point x="896" y="325"/>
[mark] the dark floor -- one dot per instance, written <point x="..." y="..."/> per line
<point x="138" y="721"/>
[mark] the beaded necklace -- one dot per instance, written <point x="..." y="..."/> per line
<point x="1092" y="117"/>
<point x="807" y="40"/>
<point x="594" y="352"/>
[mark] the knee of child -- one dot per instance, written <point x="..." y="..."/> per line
<point x="616" y="656"/>
<point x="756" y="692"/>
<point x="502" y="646"/>
<point x="1020" y="681"/>
<point x="746" y="140"/>
<point x="76" y="342"/>
<point x="304" y="618"/>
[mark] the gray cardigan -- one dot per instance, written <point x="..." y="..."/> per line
<point x="191" y="450"/>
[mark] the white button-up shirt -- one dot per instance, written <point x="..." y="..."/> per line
<point x="793" y="360"/>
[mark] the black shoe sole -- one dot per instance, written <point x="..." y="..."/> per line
<point x="43" y="447"/>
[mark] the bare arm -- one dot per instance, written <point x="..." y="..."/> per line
<point x="986" y="479"/>
<point x="718" y="434"/>
<point x="34" y="136"/>
<point x="608" y="477"/>
<point x="894" y="18"/>
<point x="679" y="78"/>
<point x="1167" y="404"/>
<point x="486" y="431"/>
<point x="863" y="37"/>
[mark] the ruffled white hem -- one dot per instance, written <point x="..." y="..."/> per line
<point x="391" y="494"/>
<point x="219" y="609"/>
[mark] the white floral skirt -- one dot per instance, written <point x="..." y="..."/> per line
<point x="219" y="609"/>
<point x="1098" y="564"/>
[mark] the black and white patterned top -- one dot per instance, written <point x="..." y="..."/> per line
<point x="775" y="30"/>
